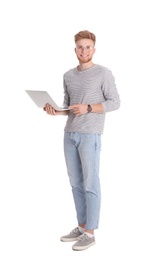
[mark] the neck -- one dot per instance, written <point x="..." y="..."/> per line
<point x="83" y="66"/>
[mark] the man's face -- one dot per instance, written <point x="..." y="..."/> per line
<point x="84" y="50"/>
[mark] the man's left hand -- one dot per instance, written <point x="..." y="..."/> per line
<point x="79" y="109"/>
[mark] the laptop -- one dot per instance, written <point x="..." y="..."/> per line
<point x="41" y="97"/>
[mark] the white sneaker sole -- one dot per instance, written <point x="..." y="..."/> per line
<point x="63" y="239"/>
<point x="79" y="248"/>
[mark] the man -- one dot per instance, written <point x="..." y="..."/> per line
<point x="89" y="92"/>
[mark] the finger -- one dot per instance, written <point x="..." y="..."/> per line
<point x="48" y="109"/>
<point x="72" y="107"/>
<point x="76" y="112"/>
<point x="51" y="111"/>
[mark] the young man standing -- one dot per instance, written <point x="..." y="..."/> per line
<point x="90" y="92"/>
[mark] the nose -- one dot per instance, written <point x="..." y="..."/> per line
<point x="83" y="49"/>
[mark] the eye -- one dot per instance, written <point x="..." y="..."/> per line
<point x="89" y="48"/>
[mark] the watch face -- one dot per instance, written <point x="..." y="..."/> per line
<point x="89" y="108"/>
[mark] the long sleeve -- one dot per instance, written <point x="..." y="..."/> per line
<point x="112" y="99"/>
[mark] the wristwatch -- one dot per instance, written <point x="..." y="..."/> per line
<point x="89" y="109"/>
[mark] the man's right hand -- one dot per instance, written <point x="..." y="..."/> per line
<point x="49" y="109"/>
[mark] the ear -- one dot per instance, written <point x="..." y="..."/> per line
<point x="75" y="50"/>
<point x="94" y="50"/>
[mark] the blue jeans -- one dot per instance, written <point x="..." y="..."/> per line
<point x="82" y="156"/>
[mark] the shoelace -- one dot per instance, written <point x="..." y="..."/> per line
<point x="74" y="230"/>
<point x="83" y="237"/>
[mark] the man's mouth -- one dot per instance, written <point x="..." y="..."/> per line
<point x="84" y="56"/>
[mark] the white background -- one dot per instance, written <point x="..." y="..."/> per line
<point x="36" y="206"/>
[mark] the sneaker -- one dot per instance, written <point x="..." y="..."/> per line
<point x="84" y="242"/>
<point x="72" y="236"/>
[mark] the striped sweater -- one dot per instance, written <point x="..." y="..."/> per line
<point x="94" y="85"/>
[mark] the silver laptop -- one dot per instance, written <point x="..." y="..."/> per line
<point x="41" y="97"/>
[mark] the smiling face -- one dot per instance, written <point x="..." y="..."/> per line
<point x="85" y="50"/>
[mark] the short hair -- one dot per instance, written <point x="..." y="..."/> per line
<point x="85" y="35"/>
